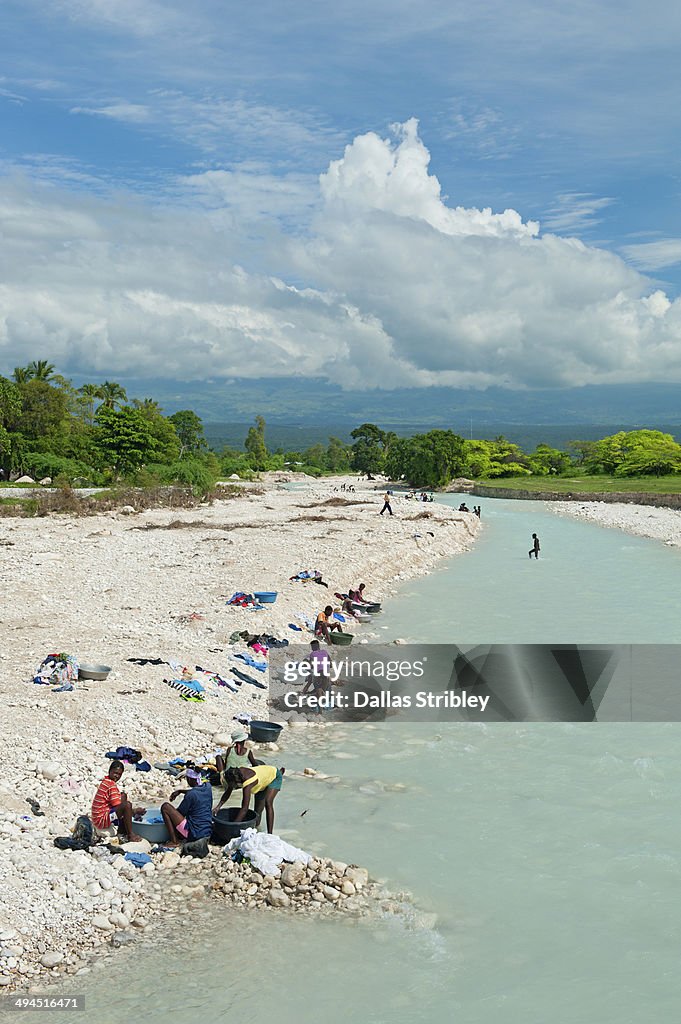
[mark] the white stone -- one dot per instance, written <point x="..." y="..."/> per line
<point x="50" y="770"/>
<point x="51" y="959"/>
<point x="293" y="874"/>
<point x="358" y="876"/>
<point x="103" y="923"/>
<point x="278" y="898"/>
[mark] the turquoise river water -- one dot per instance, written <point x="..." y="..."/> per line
<point x="551" y="853"/>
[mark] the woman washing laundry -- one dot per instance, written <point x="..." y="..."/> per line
<point x="262" y="782"/>
<point x="237" y="754"/>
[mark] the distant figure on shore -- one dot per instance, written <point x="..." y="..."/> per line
<point x="463" y="507"/>
<point x="476" y="509"/>
<point x="386" y="504"/>
<point x="534" y="550"/>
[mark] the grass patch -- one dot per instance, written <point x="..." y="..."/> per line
<point x="65" y="501"/>
<point x="590" y="484"/>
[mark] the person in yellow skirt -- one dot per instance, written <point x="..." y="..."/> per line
<point x="262" y="782"/>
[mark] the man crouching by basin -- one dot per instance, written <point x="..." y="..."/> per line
<point x="191" y="823"/>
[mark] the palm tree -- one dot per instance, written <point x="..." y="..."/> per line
<point x="22" y="374"/>
<point x="41" y="370"/>
<point x="112" y="394"/>
<point x="148" y="406"/>
<point x="91" y="392"/>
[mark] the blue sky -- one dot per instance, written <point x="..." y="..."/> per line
<point x="218" y="188"/>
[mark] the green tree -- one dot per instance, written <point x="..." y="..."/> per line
<point x="44" y="412"/>
<point x="650" y="453"/>
<point x="90" y="393"/>
<point x="427" y="460"/>
<point x="545" y="460"/>
<point x="113" y="395"/>
<point x="368" y="451"/>
<point x="163" y="430"/>
<point x="255" y="446"/>
<point x="10" y="403"/>
<point x="22" y="374"/>
<point x="124" y="440"/>
<point x="338" y="456"/>
<point x="315" y="456"/>
<point x="498" y="458"/>
<point x="189" y="428"/>
<point x="41" y="370"/>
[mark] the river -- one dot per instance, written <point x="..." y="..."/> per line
<point x="549" y="852"/>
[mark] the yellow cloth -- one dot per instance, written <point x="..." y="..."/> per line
<point x="264" y="774"/>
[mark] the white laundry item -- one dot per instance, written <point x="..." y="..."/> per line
<point x="266" y="852"/>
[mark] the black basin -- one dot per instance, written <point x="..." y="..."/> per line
<point x="225" y="828"/>
<point x="265" y="732"/>
<point x="368" y="606"/>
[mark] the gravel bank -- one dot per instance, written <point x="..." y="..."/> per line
<point x="114" y="587"/>
<point x="642" y="520"/>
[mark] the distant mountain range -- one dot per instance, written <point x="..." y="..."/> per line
<point x="301" y="411"/>
<point x="305" y="400"/>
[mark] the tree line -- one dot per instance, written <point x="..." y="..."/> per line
<point x="94" y="435"/>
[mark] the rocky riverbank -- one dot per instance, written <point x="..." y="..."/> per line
<point x="662" y="524"/>
<point x="153" y="586"/>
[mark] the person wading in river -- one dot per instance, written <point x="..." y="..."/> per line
<point x="534" y="550"/>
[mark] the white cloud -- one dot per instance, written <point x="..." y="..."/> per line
<point x="575" y="211"/>
<point x="381" y="284"/>
<point x="375" y="175"/>
<point x="665" y="252"/>
<point x="136" y="113"/>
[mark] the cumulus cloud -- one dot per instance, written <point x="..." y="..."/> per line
<point x="383" y="283"/>
<point x="375" y="175"/>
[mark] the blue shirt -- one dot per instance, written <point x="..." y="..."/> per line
<point x="197" y="808"/>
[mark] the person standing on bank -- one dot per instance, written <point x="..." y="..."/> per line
<point x="386" y="504"/>
<point x="534" y="550"/>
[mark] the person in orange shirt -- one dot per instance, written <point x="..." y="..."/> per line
<point x="325" y="624"/>
<point x="111" y="808"/>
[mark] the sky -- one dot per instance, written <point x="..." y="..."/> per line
<point x="380" y="194"/>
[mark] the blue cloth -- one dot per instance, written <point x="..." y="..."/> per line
<point x="153" y="819"/>
<point x="297" y="628"/>
<point x="190" y="684"/>
<point x="261" y="666"/>
<point x="197" y="808"/>
<point x="138" y="859"/>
